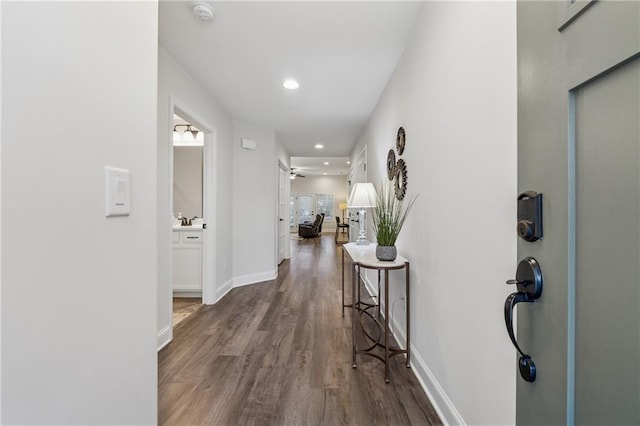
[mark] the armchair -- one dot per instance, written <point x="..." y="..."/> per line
<point x="310" y="230"/>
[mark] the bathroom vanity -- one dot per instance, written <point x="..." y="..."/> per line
<point x="187" y="261"/>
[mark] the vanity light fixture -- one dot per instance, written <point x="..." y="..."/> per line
<point x="189" y="136"/>
<point x="189" y="128"/>
<point x="290" y="84"/>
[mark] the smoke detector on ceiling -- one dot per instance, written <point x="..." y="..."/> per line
<point x="203" y="12"/>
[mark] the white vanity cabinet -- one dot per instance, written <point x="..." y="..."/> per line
<point x="187" y="261"/>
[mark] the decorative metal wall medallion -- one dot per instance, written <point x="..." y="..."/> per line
<point x="391" y="164"/>
<point x="401" y="179"/>
<point x="400" y="141"/>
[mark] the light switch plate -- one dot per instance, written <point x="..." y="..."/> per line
<point x="117" y="189"/>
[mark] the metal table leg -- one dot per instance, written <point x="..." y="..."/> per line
<point x="378" y="296"/>
<point x="386" y="326"/>
<point x="408" y="311"/>
<point x="343" y="283"/>
<point x="353" y="311"/>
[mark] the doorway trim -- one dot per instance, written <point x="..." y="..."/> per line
<point x="282" y="168"/>
<point x="357" y="174"/>
<point x="209" y="199"/>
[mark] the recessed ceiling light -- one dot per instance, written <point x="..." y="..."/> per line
<point x="325" y="173"/>
<point x="290" y="84"/>
<point x="319" y="146"/>
<point x="326" y="163"/>
<point x="348" y="162"/>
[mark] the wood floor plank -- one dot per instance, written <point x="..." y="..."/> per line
<point x="279" y="353"/>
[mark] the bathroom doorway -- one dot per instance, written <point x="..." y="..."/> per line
<point x="188" y="223"/>
<point x="192" y="202"/>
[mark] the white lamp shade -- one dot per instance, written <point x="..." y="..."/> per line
<point x="363" y="196"/>
<point x="187" y="137"/>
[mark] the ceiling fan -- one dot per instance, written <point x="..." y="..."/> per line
<point x="295" y="175"/>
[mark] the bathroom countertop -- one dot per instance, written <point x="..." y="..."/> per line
<point x="187" y="228"/>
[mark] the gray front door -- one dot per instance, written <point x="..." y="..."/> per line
<point x="578" y="144"/>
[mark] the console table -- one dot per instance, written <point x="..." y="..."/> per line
<point x="364" y="257"/>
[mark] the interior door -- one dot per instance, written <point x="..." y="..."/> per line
<point x="359" y="175"/>
<point x="351" y="214"/>
<point x="283" y="210"/>
<point x="578" y="139"/>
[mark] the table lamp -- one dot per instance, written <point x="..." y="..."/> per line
<point x="343" y="207"/>
<point x="362" y="197"/>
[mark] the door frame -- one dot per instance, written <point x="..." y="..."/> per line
<point x="209" y="199"/>
<point x="281" y="167"/>
<point x="356" y="177"/>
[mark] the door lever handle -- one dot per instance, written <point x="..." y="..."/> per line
<point x="525" y="364"/>
<point x="529" y="282"/>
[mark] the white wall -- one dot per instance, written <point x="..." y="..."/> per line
<point x="336" y="185"/>
<point x="454" y="91"/>
<point x="78" y="289"/>
<point x="177" y="86"/>
<point x="281" y="153"/>
<point x="255" y="185"/>
<point x="187" y="181"/>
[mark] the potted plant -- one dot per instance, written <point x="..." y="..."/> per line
<point x="388" y="218"/>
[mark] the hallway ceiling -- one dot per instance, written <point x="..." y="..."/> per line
<point x="341" y="53"/>
<point x="319" y="166"/>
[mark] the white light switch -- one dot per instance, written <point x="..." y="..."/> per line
<point x="117" y="191"/>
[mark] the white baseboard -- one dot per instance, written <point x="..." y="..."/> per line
<point x="223" y="290"/>
<point x="164" y="337"/>
<point x="397" y="329"/>
<point x="187" y="293"/>
<point x="255" y="278"/>
<point x="439" y="399"/>
<point x="370" y="287"/>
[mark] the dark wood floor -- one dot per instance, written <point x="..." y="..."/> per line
<point x="279" y="353"/>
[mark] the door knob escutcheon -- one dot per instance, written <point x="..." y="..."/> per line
<point x="529" y="283"/>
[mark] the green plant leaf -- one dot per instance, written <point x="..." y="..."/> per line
<point x="389" y="214"/>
